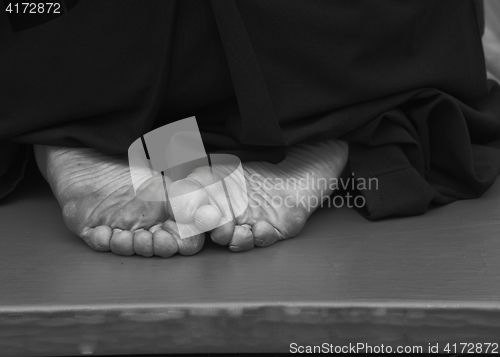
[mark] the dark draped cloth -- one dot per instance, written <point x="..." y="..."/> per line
<point x="404" y="82"/>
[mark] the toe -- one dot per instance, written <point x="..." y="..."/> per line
<point x="98" y="238"/>
<point x="164" y="245"/>
<point x="242" y="239"/>
<point x="156" y="227"/>
<point x="143" y="243"/>
<point x="265" y="234"/>
<point x="122" y="242"/>
<point x="185" y="197"/>
<point x="222" y="235"/>
<point x="189" y="245"/>
<point x="207" y="217"/>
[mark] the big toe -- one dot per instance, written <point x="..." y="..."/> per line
<point x="98" y="238"/>
<point x="164" y="245"/>
<point x="184" y="198"/>
<point x="187" y="246"/>
<point x="222" y="235"/>
<point x="207" y="217"/>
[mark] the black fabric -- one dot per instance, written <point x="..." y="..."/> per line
<point x="403" y="81"/>
<point x="13" y="160"/>
<point x="481" y="21"/>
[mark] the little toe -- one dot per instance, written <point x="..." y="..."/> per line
<point x="143" y="243"/>
<point x="164" y="245"/>
<point x="187" y="246"/>
<point x="265" y="234"/>
<point x="98" y="238"/>
<point x="122" y="242"/>
<point x="242" y="239"/>
<point x="222" y="235"/>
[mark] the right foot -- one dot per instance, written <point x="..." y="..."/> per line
<point x="271" y="202"/>
<point x="99" y="204"/>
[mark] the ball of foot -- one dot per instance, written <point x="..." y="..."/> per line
<point x="207" y="217"/>
<point x="185" y="197"/>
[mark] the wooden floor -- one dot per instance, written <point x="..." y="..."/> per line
<point x="412" y="281"/>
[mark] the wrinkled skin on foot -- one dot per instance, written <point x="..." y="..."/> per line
<point x="99" y="204"/>
<point x="278" y="206"/>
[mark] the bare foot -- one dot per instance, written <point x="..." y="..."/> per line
<point x="280" y="197"/>
<point x="99" y="203"/>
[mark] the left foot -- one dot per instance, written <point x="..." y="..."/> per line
<point x="99" y="204"/>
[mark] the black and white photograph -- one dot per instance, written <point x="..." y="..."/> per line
<point x="243" y="177"/>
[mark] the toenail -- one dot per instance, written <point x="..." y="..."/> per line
<point x="235" y="247"/>
<point x="156" y="227"/>
<point x="259" y="242"/>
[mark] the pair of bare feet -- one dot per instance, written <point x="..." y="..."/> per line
<point x="100" y="205"/>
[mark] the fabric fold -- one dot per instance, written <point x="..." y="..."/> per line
<point x="434" y="149"/>
<point x="405" y="84"/>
